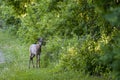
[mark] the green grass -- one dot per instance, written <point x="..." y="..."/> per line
<point x="16" y="66"/>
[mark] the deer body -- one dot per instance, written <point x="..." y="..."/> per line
<point x="35" y="51"/>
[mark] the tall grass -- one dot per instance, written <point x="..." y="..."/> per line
<point x="16" y="64"/>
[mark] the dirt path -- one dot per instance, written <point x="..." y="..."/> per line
<point x="2" y="59"/>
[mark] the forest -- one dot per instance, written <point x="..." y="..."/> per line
<point x="82" y="39"/>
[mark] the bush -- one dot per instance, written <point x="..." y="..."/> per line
<point x="111" y="52"/>
<point x="51" y="51"/>
<point x="82" y="55"/>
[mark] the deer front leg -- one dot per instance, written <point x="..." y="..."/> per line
<point x="37" y="61"/>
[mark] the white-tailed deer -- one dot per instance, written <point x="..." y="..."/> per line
<point x="35" y="51"/>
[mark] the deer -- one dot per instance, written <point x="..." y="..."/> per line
<point x="35" y="51"/>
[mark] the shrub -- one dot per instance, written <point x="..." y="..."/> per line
<point x="111" y="52"/>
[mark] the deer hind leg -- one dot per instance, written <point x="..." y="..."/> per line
<point x="31" y="60"/>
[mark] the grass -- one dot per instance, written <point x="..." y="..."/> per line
<point x="16" y="65"/>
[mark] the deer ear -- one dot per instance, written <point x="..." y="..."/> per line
<point x="38" y="39"/>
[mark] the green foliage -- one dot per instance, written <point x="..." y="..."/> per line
<point x="81" y="35"/>
<point x="9" y="21"/>
<point x="69" y="56"/>
<point x="82" y="54"/>
<point x="13" y="24"/>
<point x="111" y="53"/>
<point x="19" y="6"/>
<point x="113" y="16"/>
<point x="65" y="18"/>
<point x="110" y="10"/>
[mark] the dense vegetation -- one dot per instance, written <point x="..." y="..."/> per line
<point x="81" y="35"/>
